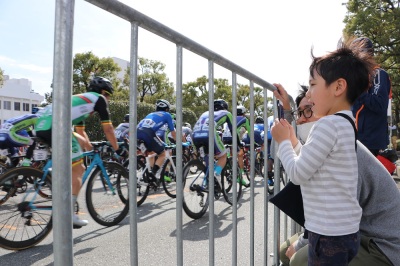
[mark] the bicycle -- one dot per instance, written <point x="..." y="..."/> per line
<point x="146" y="180"/>
<point x="196" y="186"/>
<point x="26" y="217"/>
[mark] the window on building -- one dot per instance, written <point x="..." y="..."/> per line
<point x="25" y="107"/>
<point x="0" y="104"/>
<point x="7" y="105"/>
<point x="17" y="106"/>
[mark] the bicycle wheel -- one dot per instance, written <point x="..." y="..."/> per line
<point x="4" y="194"/>
<point x="168" y="177"/>
<point x="26" y="217"/>
<point x="227" y="180"/>
<point x="195" y="191"/>
<point x="142" y="187"/>
<point x="259" y="164"/>
<point x="108" y="205"/>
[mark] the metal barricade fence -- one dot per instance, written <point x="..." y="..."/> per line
<point x="64" y="22"/>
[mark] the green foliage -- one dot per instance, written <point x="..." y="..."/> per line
<point x="86" y="65"/>
<point x="152" y="83"/>
<point x="379" y="21"/>
<point x="1" y="77"/>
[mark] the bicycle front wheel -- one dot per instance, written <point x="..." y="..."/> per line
<point x="227" y="180"/>
<point x="142" y="187"/>
<point x="107" y="196"/>
<point x="26" y="215"/>
<point x="168" y="176"/>
<point x="195" y="190"/>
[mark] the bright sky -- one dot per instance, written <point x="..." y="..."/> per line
<point x="271" y="39"/>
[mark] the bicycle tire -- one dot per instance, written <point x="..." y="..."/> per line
<point x="106" y="207"/>
<point x="142" y="188"/>
<point x="168" y="178"/>
<point x="227" y="180"/>
<point x="22" y="226"/>
<point x="195" y="194"/>
<point x="4" y="195"/>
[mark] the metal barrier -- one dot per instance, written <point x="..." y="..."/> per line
<point x="63" y="253"/>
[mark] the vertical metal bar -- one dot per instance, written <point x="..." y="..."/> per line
<point x="277" y="188"/>
<point x="211" y="130"/>
<point x="234" y="170"/>
<point x="266" y="226"/>
<point x="179" y="166"/>
<point x="61" y="132"/>
<point x="133" y="220"/>
<point x="252" y="163"/>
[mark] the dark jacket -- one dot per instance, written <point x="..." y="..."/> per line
<point x="370" y="111"/>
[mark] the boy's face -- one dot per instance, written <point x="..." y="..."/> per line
<point x="320" y="96"/>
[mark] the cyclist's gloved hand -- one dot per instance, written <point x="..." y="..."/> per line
<point x="120" y="151"/>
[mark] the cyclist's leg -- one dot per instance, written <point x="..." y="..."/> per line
<point x="78" y="169"/>
<point x="220" y="155"/>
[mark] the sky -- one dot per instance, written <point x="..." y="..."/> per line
<point x="272" y="39"/>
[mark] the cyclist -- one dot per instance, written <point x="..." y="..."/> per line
<point x="146" y="131"/>
<point x="187" y="132"/>
<point x="17" y="132"/>
<point x="122" y="130"/>
<point x="242" y="125"/>
<point x="201" y="134"/>
<point x="83" y="105"/>
<point x="164" y="133"/>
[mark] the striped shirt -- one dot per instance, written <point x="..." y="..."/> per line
<point x="327" y="171"/>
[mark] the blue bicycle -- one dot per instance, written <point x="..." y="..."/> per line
<point x="26" y="214"/>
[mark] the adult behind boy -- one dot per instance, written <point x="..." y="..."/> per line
<point x="370" y="109"/>
<point x="326" y="169"/>
<point x="375" y="186"/>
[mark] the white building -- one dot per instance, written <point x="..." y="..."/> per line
<point x="123" y="64"/>
<point x="17" y="98"/>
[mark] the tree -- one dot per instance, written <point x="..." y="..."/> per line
<point x="379" y="21"/>
<point x="153" y="83"/>
<point x="87" y="65"/>
<point x="1" y="78"/>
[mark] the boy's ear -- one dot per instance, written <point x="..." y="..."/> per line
<point x="341" y="87"/>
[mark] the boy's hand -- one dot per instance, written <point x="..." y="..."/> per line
<point x="280" y="130"/>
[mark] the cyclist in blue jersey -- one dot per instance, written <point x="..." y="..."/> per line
<point x="146" y="131"/>
<point x="201" y="134"/>
<point x="122" y="130"/>
<point x="165" y="134"/>
<point x="17" y="132"/>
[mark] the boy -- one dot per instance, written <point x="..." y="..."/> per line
<point x="326" y="168"/>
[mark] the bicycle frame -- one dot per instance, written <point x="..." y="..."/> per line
<point x="96" y="162"/>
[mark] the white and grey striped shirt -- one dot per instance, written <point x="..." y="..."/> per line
<point x="327" y="171"/>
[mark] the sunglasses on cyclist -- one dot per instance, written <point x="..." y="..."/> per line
<point x="306" y="112"/>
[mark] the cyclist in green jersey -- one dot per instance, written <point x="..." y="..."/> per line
<point x="83" y="105"/>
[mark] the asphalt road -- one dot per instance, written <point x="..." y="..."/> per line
<point x="98" y="245"/>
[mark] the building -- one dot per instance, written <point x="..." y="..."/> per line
<point x="17" y="98"/>
<point x="123" y="64"/>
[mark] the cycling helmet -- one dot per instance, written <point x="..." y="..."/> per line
<point x="126" y="118"/>
<point x="241" y="110"/>
<point x="259" y="120"/>
<point x="97" y="84"/>
<point x="187" y="125"/>
<point x="163" y="105"/>
<point x="220" y="104"/>
<point x="365" y="43"/>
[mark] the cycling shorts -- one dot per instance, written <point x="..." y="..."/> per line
<point x="77" y="152"/>
<point x="152" y="142"/>
<point x="201" y="138"/>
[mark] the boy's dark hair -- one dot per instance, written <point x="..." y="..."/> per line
<point x="302" y="93"/>
<point x="354" y="64"/>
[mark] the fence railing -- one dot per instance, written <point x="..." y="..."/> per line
<point x="64" y="23"/>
